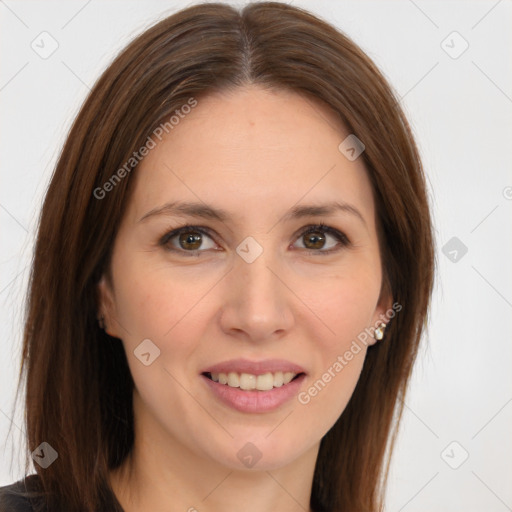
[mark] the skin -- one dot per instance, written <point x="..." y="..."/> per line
<point x="255" y="153"/>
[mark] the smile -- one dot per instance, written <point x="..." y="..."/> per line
<point x="249" y="382"/>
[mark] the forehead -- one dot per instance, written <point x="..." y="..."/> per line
<point x="252" y="148"/>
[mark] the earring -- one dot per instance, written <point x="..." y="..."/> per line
<point x="379" y="332"/>
<point x="101" y="322"/>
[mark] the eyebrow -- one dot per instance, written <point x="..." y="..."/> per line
<point x="204" y="211"/>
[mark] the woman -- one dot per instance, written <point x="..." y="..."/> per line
<point x="232" y="275"/>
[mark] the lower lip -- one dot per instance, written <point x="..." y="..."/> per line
<point x="255" y="401"/>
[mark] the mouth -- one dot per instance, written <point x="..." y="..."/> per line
<point x="250" y="386"/>
<point x="251" y="382"/>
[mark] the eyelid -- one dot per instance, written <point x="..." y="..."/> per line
<point x="342" y="238"/>
<point x="336" y="233"/>
<point x="183" y="229"/>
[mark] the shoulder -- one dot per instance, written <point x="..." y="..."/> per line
<point x="21" y="496"/>
<point x="26" y="495"/>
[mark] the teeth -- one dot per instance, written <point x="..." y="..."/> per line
<point x="288" y="376"/>
<point x="233" y="380"/>
<point x="278" y="379"/>
<point x="264" y="382"/>
<point x="249" y="382"/>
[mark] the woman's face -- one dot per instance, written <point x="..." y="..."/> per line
<point x="254" y="296"/>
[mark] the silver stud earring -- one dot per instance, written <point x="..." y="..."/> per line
<point x="101" y="322"/>
<point x="379" y="332"/>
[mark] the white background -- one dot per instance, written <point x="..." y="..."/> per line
<point x="460" y="110"/>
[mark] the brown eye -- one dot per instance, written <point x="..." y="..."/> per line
<point x="190" y="241"/>
<point x="314" y="240"/>
<point x="187" y="239"/>
<point x="193" y="240"/>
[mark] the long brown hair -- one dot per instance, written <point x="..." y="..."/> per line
<point x="78" y="383"/>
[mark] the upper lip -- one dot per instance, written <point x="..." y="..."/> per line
<point x="254" y="367"/>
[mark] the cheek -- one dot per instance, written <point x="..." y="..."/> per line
<point x="327" y="393"/>
<point x="345" y="307"/>
<point x="154" y="305"/>
<point x="151" y="300"/>
<point x="167" y="307"/>
<point x="345" y="304"/>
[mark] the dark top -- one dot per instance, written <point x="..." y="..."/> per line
<point x="15" y="497"/>
<point x="21" y="496"/>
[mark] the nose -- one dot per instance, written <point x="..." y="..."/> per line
<point x="258" y="305"/>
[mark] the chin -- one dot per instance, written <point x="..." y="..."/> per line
<point x="261" y="453"/>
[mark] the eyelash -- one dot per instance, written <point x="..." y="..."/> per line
<point x="341" y="237"/>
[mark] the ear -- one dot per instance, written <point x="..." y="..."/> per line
<point x="107" y="307"/>
<point x="383" y="312"/>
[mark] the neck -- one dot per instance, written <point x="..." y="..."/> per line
<point x="162" y="474"/>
